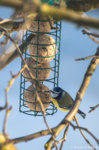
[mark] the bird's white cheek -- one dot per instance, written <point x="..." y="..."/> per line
<point x="53" y="95"/>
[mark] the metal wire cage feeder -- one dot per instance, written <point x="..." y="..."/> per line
<point x="42" y="55"/>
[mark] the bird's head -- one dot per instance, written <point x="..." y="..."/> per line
<point x="56" y="92"/>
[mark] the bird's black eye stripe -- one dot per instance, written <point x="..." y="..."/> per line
<point x="53" y="92"/>
<point x="59" y="96"/>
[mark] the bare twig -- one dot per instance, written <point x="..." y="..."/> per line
<point x="2" y="108"/>
<point x="85" y="129"/>
<point x="14" y="77"/>
<point x="65" y="133"/>
<point x="88" y="57"/>
<point x="61" y="140"/>
<point x="88" y="33"/>
<point x="8" y="109"/>
<point x="93" y="108"/>
<point x="91" y="35"/>
<point x="43" y="112"/>
<point x="57" y="142"/>
<point x="6" y="113"/>
<point x="82" y="128"/>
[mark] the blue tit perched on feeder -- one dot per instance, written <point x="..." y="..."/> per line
<point x="62" y="100"/>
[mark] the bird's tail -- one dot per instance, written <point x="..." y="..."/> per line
<point x="82" y="113"/>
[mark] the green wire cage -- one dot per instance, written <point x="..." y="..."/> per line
<point x="42" y="55"/>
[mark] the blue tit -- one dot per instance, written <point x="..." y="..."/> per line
<point x="62" y="100"/>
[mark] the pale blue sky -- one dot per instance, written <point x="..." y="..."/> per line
<point x="73" y="45"/>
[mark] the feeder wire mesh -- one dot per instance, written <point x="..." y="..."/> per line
<point x="42" y="55"/>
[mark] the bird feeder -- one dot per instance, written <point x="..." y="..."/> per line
<point x="42" y="55"/>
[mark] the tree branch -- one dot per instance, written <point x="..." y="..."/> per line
<point x="65" y="133"/>
<point x="8" y="58"/>
<point x="27" y="138"/>
<point x="92" y="66"/>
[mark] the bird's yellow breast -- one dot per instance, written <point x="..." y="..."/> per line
<point x="56" y="104"/>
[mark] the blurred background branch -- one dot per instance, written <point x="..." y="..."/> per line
<point x="61" y="13"/>
<point x="29" y="9"/>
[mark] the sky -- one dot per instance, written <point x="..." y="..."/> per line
<point x="73" y="45"/>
